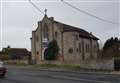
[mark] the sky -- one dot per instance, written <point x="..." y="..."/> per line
<point x="18" y="18"/>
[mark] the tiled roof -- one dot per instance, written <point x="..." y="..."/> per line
<point x="23" y="50"/>
<point x="17" y="50"/>
<point x="82" y="33"/>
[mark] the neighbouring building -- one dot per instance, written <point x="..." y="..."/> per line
<point x="16" y="53"/>
<point x="75" y="43"/>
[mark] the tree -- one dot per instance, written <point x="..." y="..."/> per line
<point x="111" y="48"/>
<point x="108" y="43"/>
<point x="52" y="51"/>
<point x="4" y="56"/>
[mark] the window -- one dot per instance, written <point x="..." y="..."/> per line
<point x="44" y="44"/>
<point x="45" y="31"/>
<point x="77" y="50"/>
<point x="79" y="47"/>
<point x="79" y="35"/>
<point x="76" y="37"/>
<point x="87" y="48"/>
<point x="37" y="53"/>
<point x="95" y="48"/>
<point x="70" y="50"/>
<point x="56" y="34"/>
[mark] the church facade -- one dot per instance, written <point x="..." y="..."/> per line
<point x="75" y="44"/>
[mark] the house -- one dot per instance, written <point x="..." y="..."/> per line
<point x="75" y="43"/>
<point x="16" y="53"/>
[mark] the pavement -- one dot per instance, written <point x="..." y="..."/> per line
<point x="18" y="74"/>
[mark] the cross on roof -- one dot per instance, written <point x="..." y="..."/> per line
<point x="45" y="11"/>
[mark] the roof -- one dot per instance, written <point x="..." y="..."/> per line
<point x="82" y="33"/>
<point x="69" y="28"/>
<point x="17" y="50"/>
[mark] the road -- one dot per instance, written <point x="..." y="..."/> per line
<point x="17" y="75"/>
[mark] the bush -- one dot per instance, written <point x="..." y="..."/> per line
<point x="4" y="57"/>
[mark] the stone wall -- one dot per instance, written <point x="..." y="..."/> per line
<point x="101" y="64"/>
<point x="58" y="35"/>
<point x="88" y="49"/>
<point x="104" y="64"/>
<point x="69" y="44"/>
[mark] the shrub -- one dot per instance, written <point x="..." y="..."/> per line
<point x="4" y="57"/>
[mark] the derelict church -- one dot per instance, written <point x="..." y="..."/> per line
<point x="75" y="43"/>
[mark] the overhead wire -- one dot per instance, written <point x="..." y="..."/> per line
<point x="36" y="7"/>
<point x="89" y="14"/>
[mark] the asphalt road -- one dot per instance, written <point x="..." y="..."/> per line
<point x="17" y="75"/>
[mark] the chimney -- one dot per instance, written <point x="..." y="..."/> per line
<point x="91" y="33"/>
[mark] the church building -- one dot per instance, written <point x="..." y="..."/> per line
<point x="75" y="44"/>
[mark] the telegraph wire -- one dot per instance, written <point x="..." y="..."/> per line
<point x="88" y="13"/>
<point x="36" y="7"/>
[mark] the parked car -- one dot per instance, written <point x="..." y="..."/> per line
<point x="2" y="69"/>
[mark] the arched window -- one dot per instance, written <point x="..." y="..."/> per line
<point x="45" y="31"/>
<point x="45" y="36"/>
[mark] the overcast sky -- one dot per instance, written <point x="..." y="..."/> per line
<point x="19" y="18"/>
